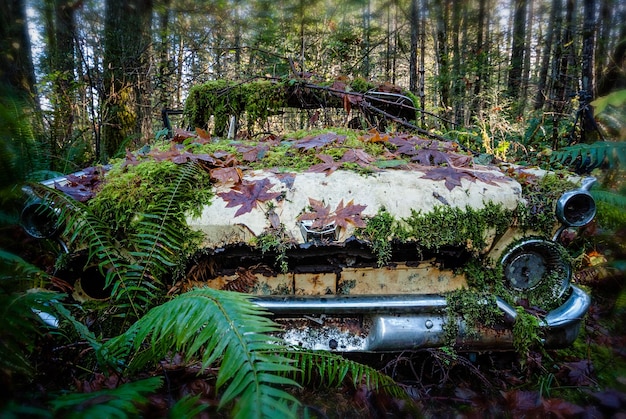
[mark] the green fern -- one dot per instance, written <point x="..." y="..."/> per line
<point x="211" y="326"/>
<point x="332" y="370"/>
<point x="134" y="266"/>
<point x="120" y="402"/>
<point x="592" y="155"/>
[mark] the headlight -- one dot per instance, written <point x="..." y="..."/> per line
<point x="40" y="220"/>
<point x="577" y="208"/>
<point x="537" y="261"/>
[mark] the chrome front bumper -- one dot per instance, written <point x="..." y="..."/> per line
<point x="400" y="322"/>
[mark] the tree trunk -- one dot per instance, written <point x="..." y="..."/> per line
<point x="605" y="24"/>
<point x="365" y="63"/>
<point x="526" y="66"/>
<point x="480" y="57"/>
<point x="517" y="53"/>
<point x="441" y="16"/>
<point x="63" y="65"/>
<point x="422" y="70"/>
<point x="164" y="70"/>
<point x="457" y="80"/>
<point x="16" y="64"/>
<point x="614" y="77"/>
<point x="415" y="30"/>
<point x="127" y="109"/>
<point x="542" y="93"/>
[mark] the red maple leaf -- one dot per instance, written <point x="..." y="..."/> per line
<point x="349" y="214"/>
<point x="453" y="175"/>
<point x="253" y="153"/>
<point x="318" y="141"/>
<point x="343" y="215"/>
<point x="358" y="156"/>
<point x="248" y="194"/>
<point x="319" y="214"/>
<point x="430" y="157"/>
<point x="329" y="165"/>
<point x="226" y="174"/>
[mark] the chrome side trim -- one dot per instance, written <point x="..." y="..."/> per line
<point x="400" y="322"/>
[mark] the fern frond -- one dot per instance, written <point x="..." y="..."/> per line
<point x="610" y="198"/>
<point x="120" y="402"/>
<point x="187" y="407"/>
<point x="20" y="326"/>
<point x="210" y="326"/>
<point x="332" y="370"/>
<point x="592" y="155"/>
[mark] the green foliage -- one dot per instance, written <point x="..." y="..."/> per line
<point x="21" y="155"/>
<point x="220" y="98"/>
<point x="277" y="241"/>
<point x="379" y="231"/>
<point x="144" y="188"/>
<point x="537" y="214"/>
<point x="20" y="327"/>
<point x="135" y="263"/>
<point x="453" y="226"/>
<point x="476" y="308"/>
<point x="332" y="370"/>
<point x="120" y="402"/>
<point x="210" y="326"/>
<point x="525" y="332"/>
<point x="592" y="155"/>
<point x="616" y="99"/>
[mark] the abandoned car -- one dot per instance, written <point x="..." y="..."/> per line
<point x="359" y="240"/>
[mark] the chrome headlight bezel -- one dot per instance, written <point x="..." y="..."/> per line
<point x="537" y="265"/>
<point x="577" y="208"/>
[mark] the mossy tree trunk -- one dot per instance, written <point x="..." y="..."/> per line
<point x="16" y="64"/>
<point x="517" y="52"/>
<point x="127" y="108"/>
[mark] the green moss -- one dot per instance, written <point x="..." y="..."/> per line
<point x="541" y="197"/>
<point x="220" y="98"/>
<point x="453" y="226"/>
<point x="132" y="190"/>
<point x="475" y="308"/>
<point x="525" y="332"/>
<point x="379" y="231"/>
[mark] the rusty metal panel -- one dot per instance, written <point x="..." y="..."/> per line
<point x="280" y="284"/>
<point x="315" y="283"/>
<point x="402" y="279"/>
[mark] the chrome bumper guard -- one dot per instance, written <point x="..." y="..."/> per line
<point x="400" y="322"/>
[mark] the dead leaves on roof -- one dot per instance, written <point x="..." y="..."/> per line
<point x="431" y="159"/>
<point x="321" y="215"/>
<point x="248" y="194"/>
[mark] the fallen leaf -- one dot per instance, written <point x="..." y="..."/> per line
<point x="248" y="195"/>
<point x="349" y="214"/>
<point x="329" y="165"/>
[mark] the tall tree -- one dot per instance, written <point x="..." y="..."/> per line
<point x="441" y="13"/>
<point x="16" y="63"/>
<point x="457" y="76"/>
<point x="588" y="43"/>
<point x="414" y="20"/>
<point x="615" y="75"/>
<point x="546" y="54"/>
<point x="517" y="50"/>
<point x="605" y="26"/>
<point x="63" y="66"/>
<point x="127" y="108"/>
<point x="480" y="57"/>
<point x="526" y="66"/>
<point x="367" y="20"/>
